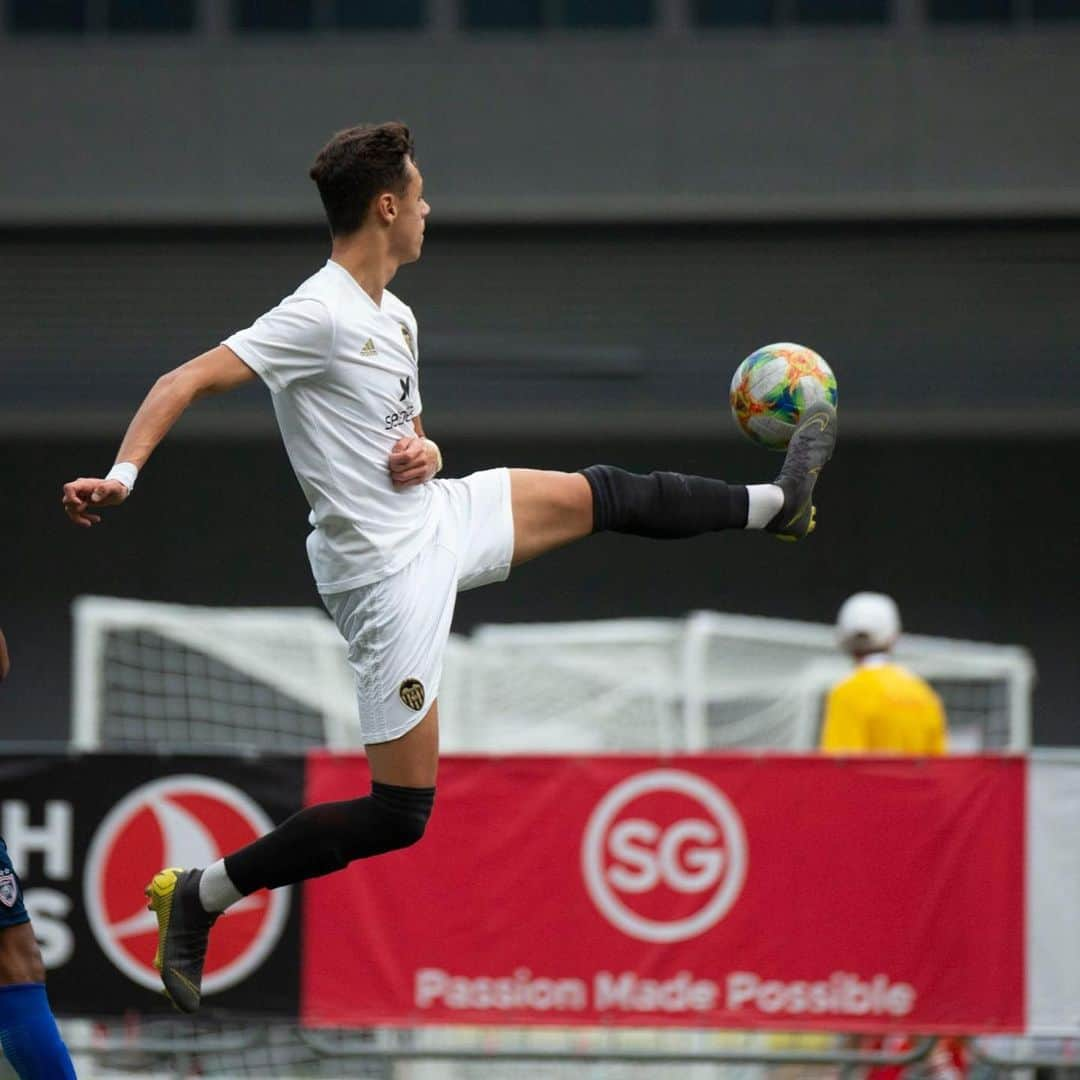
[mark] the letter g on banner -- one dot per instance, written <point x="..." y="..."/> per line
<point x="704" y="855"/>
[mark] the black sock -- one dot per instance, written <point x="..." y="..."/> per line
<point x="328" y="836"/>
<point x="664" y="505"/>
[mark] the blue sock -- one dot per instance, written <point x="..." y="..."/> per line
<point x="29" y="1034"/>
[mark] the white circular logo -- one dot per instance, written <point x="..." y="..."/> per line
<point x="693" y="855"/>
<point x="177" y="821"/>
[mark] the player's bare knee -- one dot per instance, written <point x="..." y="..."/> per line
<point x="542" y="497"/>
<point x="579" y="501"/>
<point x="569" y="504"/>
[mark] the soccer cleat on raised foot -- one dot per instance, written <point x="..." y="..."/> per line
<point x="183" y="933"/>
<point x="810" y="448"/>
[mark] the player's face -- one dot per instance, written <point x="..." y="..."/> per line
<point x="412" y="211"/>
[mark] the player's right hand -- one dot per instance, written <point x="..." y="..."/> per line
<point x="88" y="493"/>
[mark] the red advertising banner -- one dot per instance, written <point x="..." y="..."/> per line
<point x="730" y="891"/>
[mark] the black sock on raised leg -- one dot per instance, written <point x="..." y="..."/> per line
<point x="664" y="505"/>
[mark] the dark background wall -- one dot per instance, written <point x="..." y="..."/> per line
<point x="934" y="329"/>
<point x="661" y="109"/>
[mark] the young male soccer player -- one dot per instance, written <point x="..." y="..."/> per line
<point x="391" y="545"/>
<point x="28" y="1031"/>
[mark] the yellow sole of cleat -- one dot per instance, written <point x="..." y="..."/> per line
<point x="809" y="529"/>
<point x="160" y="894"/>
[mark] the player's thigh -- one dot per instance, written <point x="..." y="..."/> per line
<point x="411" y="760"/>
<point x="550" y="509"/>
<point x="20" y="957"/>
<point x="396" y="630"/>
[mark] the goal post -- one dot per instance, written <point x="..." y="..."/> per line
<point x="202" y="678"/>
<point x="986" y="688"/>
<point x="715" y="681"/>
<point x="207" y="678"/>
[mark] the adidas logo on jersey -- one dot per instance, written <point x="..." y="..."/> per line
<point x="368" y="348"/>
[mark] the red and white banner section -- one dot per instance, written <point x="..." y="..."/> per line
<point x="765" y="891"/>
<point x="780" y="892"/>
<point x="1053" y="893"/>
<point x="87" y="833"/>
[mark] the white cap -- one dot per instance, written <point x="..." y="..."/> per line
<point x="868" y="622"/>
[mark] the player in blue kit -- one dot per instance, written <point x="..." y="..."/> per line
<point x="391" y="544"/>
<point x="28" y="1032"/>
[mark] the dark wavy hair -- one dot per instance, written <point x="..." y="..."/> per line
<point x="355" y="166"/>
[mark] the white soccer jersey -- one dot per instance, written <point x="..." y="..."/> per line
<point x="342" y="372"/>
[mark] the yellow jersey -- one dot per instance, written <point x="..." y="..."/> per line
<point x="885" y="709"/>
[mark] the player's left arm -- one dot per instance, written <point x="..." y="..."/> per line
<point x="414" y="459"/>
<point x="214" y="372"/>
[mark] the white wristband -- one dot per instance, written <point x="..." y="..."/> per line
<point x="125" y="472"/>
<point x="438" y="456"/>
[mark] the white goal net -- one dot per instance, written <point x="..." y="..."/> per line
<point x="150" y="675"/>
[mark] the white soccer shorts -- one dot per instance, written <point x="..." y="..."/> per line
<point x="397" y="628"/>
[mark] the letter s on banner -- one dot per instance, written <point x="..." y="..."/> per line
<point x="623" y="848"/>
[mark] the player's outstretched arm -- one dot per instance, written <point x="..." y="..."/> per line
<point x="213" y="372"/>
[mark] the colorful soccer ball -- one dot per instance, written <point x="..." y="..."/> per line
<point x="772" y="389"/>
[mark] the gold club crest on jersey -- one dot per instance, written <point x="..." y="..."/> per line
<point x="407" y="335"/>
<point x="411" y="692"/>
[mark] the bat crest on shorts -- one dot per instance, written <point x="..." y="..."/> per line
<point x="411" y="693"/>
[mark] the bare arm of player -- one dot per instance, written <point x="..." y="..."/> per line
<point x="213" y="372"/>
<point x="414" y="459"/>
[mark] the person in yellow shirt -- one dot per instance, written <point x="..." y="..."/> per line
<point x="881" y="707"/>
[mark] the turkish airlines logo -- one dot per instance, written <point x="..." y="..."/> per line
<point x="179" y="821"/>
<point x="664" y="855"/>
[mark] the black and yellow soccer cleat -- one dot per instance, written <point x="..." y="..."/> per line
<point x="810" y="448"/>
<point x="183" y="933"/>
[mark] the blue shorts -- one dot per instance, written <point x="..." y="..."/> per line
<point x="12" y="909"/>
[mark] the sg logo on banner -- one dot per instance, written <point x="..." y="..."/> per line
<point x="669" y="867"/>
<point x="178" y="821"/>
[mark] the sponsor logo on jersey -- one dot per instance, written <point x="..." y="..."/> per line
<point x="411" y="693"/>
<point x="407" y="410"/>
<point x="186" y="820"/>
<point x="394" y="419"/>
<point x="9" y="890"/>
<point x="368" y="348"/>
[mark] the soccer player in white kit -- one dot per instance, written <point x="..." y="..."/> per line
<point x="391" y="545"/>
